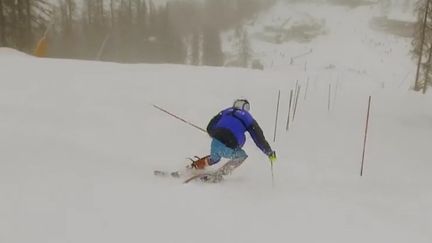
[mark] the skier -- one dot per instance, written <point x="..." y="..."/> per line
<point x="227" y="130"/>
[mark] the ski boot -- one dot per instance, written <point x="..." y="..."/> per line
<point x="199" y="163"/>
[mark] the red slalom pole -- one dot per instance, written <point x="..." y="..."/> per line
<point x="365" y="137"/>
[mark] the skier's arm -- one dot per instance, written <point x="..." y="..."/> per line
<point x="258" y="137"/>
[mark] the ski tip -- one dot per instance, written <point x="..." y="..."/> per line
<point x="159" y="173"/>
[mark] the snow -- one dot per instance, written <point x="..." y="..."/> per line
<point x="80" y="140"/>
<point x="348" y="44"/>
<point x="11" y="53"/>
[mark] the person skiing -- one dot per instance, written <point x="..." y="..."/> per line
<point x="227" y="130"/>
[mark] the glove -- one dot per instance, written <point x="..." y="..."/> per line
<point x="272" y="157"/>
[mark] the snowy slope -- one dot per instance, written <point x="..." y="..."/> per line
<point x="79" y="141"/>
<point x="347" y="48"/>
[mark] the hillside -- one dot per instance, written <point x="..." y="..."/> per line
<point x="80" y="140"/>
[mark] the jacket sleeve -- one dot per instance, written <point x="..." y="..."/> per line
<point x="258" y="137"/>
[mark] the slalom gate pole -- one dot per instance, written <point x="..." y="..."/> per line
<point x="289" y="109"/>
<point x="179" y="118"/>
<point x="335" y="93"/>
<point x="329" y="94"/>
<point x="296" y="101"/>
<point x="277" y="114"/>
<point x="365" y="137"/>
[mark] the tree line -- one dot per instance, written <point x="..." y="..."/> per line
<point x="127" y="30"/>
<point x="21" y="21"/>
<point x="422" y="45"/>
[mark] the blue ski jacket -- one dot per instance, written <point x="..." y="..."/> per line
<point x="230" y="126"/>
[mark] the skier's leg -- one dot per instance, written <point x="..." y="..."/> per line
<point x="219" y="151"/>
<point x="216" y="153"/>
<point x="236" y="156"/>
<point x="209" y="160"/>
<point x="239" y="154"/>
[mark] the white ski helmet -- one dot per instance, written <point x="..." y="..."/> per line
<point x="242" y="104"/>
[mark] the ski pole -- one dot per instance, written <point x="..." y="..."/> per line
<point x="179" y="118"/>
<point x="272" y="174"/>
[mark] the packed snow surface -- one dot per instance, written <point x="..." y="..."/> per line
<point x="80" y="140"/>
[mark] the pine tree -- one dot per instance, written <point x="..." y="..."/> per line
<point x="2" y="25"/>
<point x="175" y="51"/>
<point x="212" y="47"/>
<point x="196" y="48"/>
<point x="64" y="34"/>
<point x="133" y="30"/>
<point x="245" y="50"/>
<point x="95" y="29"/>
<point x="21" y="20"/>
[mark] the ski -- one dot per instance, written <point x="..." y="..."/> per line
<point x="185" y="172"/>
<point x="214" y="177"/>
<point x="174" y="174"/>
<point x="203" y="176"/>
<point x="218" y="175"/>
